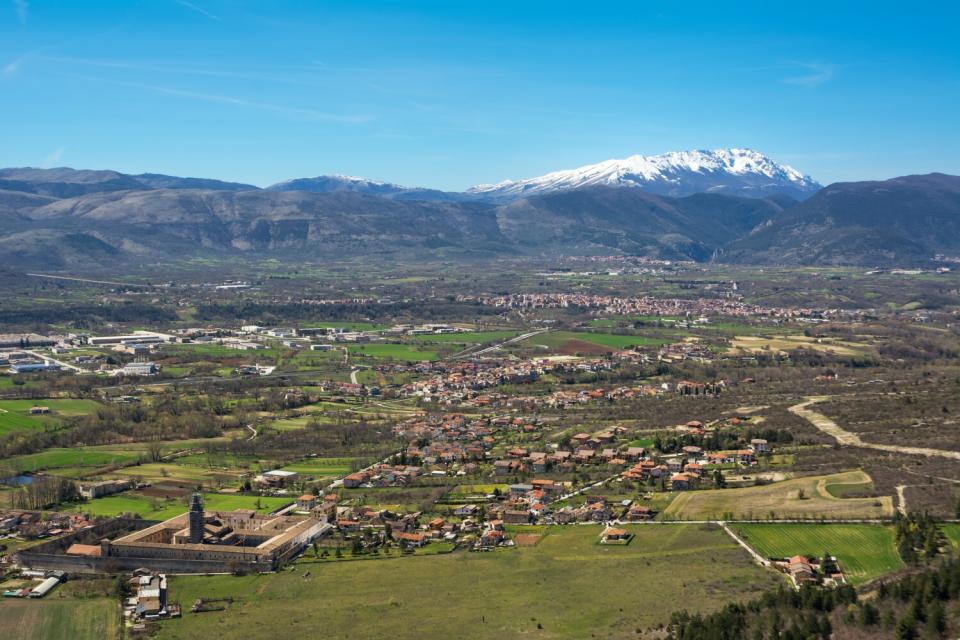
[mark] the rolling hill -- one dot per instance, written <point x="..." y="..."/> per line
<point x="902" y="221"/>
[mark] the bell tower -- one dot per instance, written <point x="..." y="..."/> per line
<point x="196" y="519"/>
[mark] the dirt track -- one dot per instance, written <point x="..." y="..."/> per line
<point x="847" y="438"/>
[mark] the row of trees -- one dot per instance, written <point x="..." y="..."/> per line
<point x="915" y="605"/>
<point x="44" y="491"/>
<point x="917" y="536"/>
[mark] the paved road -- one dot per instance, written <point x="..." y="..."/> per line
<point x="73" y="279"/>
<point x="65" y="365"/>
<point x="201" y="379"/>
<point x="470" y="353"/>
<point x="850" y="439"/>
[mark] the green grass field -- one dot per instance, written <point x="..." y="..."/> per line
<point x="160" y="509"/>
<point x="568" y="584"/>
<point x="563" y="341"/>
<point x="71" y="458"/>
<point x="160" y="471"/>
<point x="348" y="325"/>
<point x="848" y="489"/>
<point x="865" y="551"/>
<point x="215" y="351"/>
<point x="15" y="414"/>
<point x="316" y="467"/>
<point x="404" y="352"/>
<point x="477" y="489"/>
<point x="56" y="617"/>
<point x="469" y="337"/>
<point x="805" y="497"/>
<point x="952" y="533"/>
<point x="294" y="424"/>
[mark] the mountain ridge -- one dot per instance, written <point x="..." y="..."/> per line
<point x="62" y="218"/>
<point x="733" y="171"/>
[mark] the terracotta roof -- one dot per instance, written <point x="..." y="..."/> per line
<point x="83" y="550"/>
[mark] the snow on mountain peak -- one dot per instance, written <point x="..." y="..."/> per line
<point x="677" y="173"/>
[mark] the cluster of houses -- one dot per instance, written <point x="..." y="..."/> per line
<point x="442" y="442"/>
<point x="729" y="305"/>
<point x="461" y="381"/>
<point x="404" y="529"/>
<point x="692" y="350"/>
<point x="149" y="601"/>
<point x="810" y="570"/>
<point x="564" y="399"/>
<point x="31" y="525"/>
<point x="382" y="475"/>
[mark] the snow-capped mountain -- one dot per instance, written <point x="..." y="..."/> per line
<point x="731" y="171"/>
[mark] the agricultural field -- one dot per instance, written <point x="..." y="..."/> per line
<point x="403" y="352"/>
<point x="952" y="533"/>
<point x="155" y="472"/>
<point x="493" y="595"/>
<point x="744" y="345"/>
<point x="805" y="497"/>
<point x="346" y="325"/>
<point x="464" y="490"/>
<point x="322" y="467"/>
<point x="15" y="414"/>
<point x="161" y="509"/>
<point x="865" y="551"/>
<point x="217" y="351"/>
<point x="74" y="460"/>
<point x="468" y="337"/>
<point x="57" y="617"/>
<point x="589" y="343"/>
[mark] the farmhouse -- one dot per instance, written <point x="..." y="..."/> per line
<point x="277" y="477"/>
<point x="410" y="539"/>
<point x="682" y="481"/>
<point x="614" y="535"/>
<point x="94" y="490"/>
<point x="801" y="570"/>
<point x="306" y="502"/>
<point x="516" y="517"/>
<point x="759" y="445"/>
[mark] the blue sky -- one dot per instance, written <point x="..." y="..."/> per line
<point x="453" y="93"/>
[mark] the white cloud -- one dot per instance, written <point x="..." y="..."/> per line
<point x="53" y="158"/>
<point x="198" y="9"/>
<point x="811" y="74"/>
<point x="22" y="7"/>
<point x="11" y="68"/>
<point x="300" y="113"/>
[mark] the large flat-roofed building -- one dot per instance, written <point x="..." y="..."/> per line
<point x="137" y="337"/>
<point x="26" y="340"/>
<point x="232" y="538"/>
<point x="35" y="367"/>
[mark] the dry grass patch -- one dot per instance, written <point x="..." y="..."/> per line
<point x="797" y="498"/>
